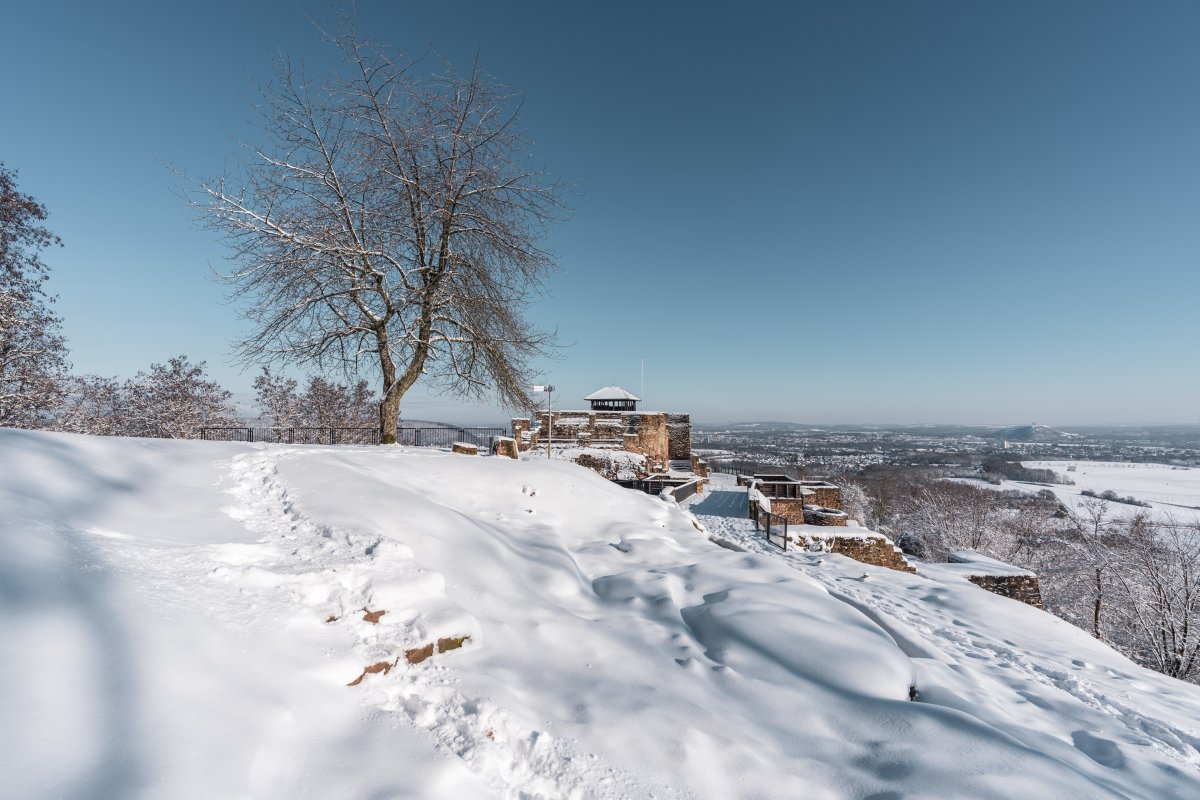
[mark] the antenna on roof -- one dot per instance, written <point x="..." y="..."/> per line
<point x="642" y="389"/>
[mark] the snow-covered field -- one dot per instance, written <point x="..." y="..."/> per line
<point x="182" y="620"/>
<point x="1171" y="491"/>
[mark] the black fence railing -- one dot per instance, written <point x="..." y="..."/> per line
<point x="774" y="527"/>
<point x="484" y="438"/>
<point x="420" y="437"/>
<point x="748" y="467"/>
<point x="292" y="435"/>
<point x="654" y="484"/>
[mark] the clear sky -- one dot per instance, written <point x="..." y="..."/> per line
<point x="974" y="212"/>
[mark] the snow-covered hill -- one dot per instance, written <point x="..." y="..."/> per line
<point x="1170" y="492"/>
<point x="1031" y="433"/>
<point x="182" y="620"/>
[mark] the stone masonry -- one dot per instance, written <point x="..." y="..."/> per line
<point x="824" y="494"/>
<point x="819" y="515"/>
<point x="657" y="436"/>
<point x="872" y="548"/>
<point x="997" y="576"/>
<point x="679" y="436"/>
<point x="1019" y="587"/>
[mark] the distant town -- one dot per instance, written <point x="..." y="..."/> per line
<point x="853" y="448"/>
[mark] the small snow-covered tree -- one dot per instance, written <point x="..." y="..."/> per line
<point x="1099" y="559"/>
<point x="944" y="516"/>
<point x="33" y="361"/>
<point x="95" y="405"/>
<point x="174" y="400"/>
<point x="323" y="404"/>
<point x="857" y="503"/>
<point x="1157" y="585"/>
<point x="33" y="352"/>
<point x="330" y="404"/>
<point x="279" y="402"/>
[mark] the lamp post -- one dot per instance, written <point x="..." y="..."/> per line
<point x="549" y="416"/>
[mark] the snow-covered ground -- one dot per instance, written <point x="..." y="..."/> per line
<point x="182" y="620"/>
<point x="1171" y="491"/>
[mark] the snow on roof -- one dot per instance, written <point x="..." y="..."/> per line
<point x="612" y="393"/>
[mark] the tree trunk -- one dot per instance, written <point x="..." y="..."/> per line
<point x="389" y="417"/>
<point x="1096" y="610"/>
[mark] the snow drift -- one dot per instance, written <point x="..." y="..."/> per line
<point x="182" y="619"/>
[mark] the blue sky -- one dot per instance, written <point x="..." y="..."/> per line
<point x="980" y="212"/>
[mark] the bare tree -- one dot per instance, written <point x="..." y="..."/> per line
<point x="171" y="401"/>
<point x="278" y="400"/>
<point x="857" y="503"/>
<point x="323" y="404"/>
<point x="95" y="405"/>
<point x="174" y="400"/>
<point x="394" y="223"/>
<point x="33" y="353"/>
<point x="1158" y="588"/>
<point x="1101" y="559"/>
<point x="944" y="516"/>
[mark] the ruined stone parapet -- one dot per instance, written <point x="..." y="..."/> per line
<point x="823" y="493"/>
<point x="679" y="436"/>
<point x="790" y="509"/>
<point x="465" y="449"/>
<point x="1027" y="589"/>
<point x="870" y="548"/>
<point x="818" y="515"/>
<point x="520" y="432"/>
<point x="997" y="576"/>
<point x="653" y="439"/>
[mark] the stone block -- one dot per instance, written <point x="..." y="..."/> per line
<point x="507" y="447"/>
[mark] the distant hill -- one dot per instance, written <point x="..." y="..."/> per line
<point x="1031" y="433"/>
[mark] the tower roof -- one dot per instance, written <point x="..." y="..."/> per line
<point x="612" y="393"/>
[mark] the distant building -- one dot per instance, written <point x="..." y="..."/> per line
<point x="613" y="398"/>
<point x="612" y="431"/>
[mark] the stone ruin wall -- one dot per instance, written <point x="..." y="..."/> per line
<point x="875" y="549"/>
<point x="825" y="520"/>
<point x="1019" y="587"/>
<point x="826" y="497"/>
<point x="520" y="427"/>
<point x="788" y="508"/>
<point x="653" y="441"/>
<point x="679" y="436"/>
<point x="651" y="435"/>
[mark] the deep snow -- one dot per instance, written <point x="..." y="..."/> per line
<point x="181" y="620"/>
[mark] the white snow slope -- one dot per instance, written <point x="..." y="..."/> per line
<point x="1171" y="491"/>
<point x="181" y="620"/>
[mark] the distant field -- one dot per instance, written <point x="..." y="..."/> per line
<point x="1168" y="489"/>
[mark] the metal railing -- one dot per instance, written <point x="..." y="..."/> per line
<point x="419" y="437"/>
<point x="292" y="435"/>
<point x="771" y="524"/>
<point x="653" y="484"/>
<point x="750" y="467"/>
<point x="444" y="437"/>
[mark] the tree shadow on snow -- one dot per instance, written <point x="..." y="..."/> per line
<point x="51" y="567"/>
